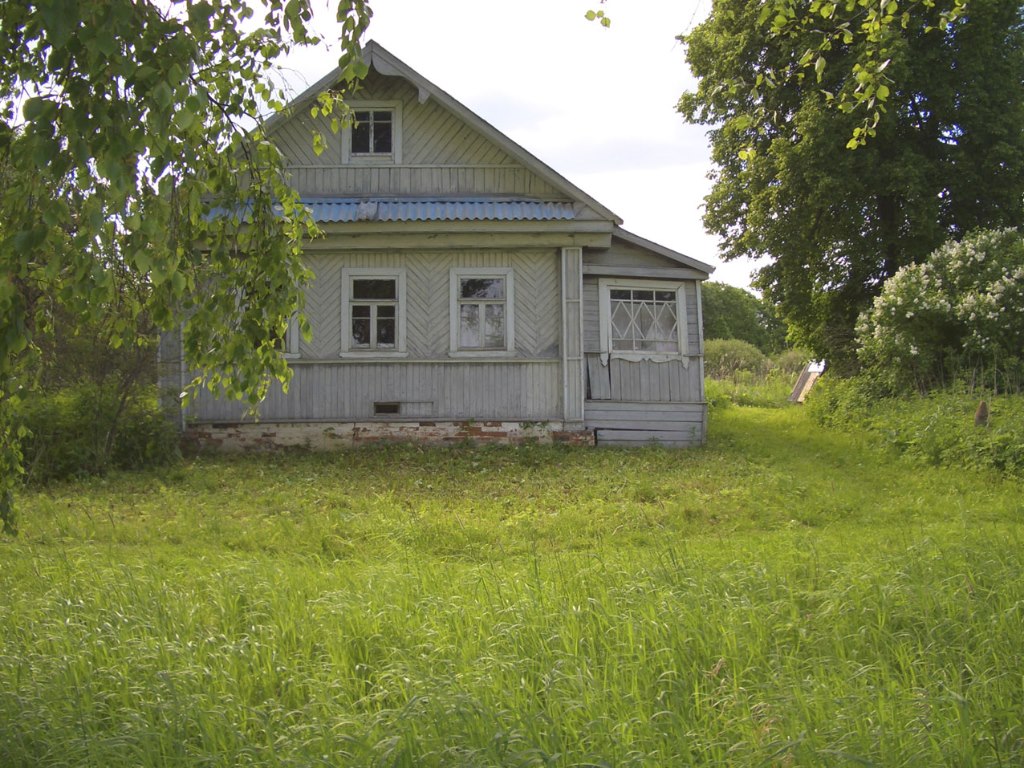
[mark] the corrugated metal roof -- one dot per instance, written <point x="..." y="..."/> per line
<point x="344" y="209"/>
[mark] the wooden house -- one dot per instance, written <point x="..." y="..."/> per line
<point x="464" y="289"/>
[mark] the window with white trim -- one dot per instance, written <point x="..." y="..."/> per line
<point x="375" y="133"/>
<point x="643" y="320"/>
<point x="372" y="132"/>
<point x="373" y="311"/>
<point x="289" y="343"/>
<point x="482" y="311"/>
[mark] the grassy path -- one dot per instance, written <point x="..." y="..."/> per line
<point x="784" y="596"/>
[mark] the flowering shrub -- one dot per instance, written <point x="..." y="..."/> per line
<point x="960" y="311"/>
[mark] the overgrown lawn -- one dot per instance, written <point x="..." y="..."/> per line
<point x="785" y="596"/>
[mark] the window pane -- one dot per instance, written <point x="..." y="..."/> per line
<point x="621" y="295"/>
<point x="643" y="317"/>
<point x="381" y="116"/>
<point x="469" y="326"/>
<point x="360" y="310"/>
<point x="362" y="116"/>
<point x="361" y="333"/>
<point x="385" y="332"/>
<point x="643" y="295"/>
<point x="374" y="289"/>
<point x="382" y="138"/>
<point x="665" y="295"/>
<point x="386" y="310"/>
<point x="665" y="322"/>
<point x="494" y="326"/>
<point x="622" y="321"/>
<point x="483" y="288"/>
<point x="361" y="134"/>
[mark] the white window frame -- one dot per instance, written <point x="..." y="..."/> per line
<point x="348" y="275"/>
<point x="291" y="339"/>
<point x="348" y="157"/>
<point x="454" y="294"/>
<point x="605" y="288"/>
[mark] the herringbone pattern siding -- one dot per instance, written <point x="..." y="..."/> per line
<point x="441" y="155"/>
<point x="428" y="301"/>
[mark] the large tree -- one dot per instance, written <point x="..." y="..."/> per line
<point x="131" y="154"/>
<point x="784" y="94"/>
<point x="733" y="313"/>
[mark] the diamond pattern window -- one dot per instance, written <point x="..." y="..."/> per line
<point x="644" y="320"/>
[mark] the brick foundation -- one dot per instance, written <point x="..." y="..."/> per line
<point x="324" y="436"/>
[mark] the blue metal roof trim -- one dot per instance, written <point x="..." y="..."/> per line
<point x="344" y="210"/>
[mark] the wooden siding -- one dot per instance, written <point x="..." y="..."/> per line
<point x="623" y="254"/>
<point x="631" y="423"/>
<point x="418" y="180"/>
<point x="443" y="390"/>
<point x="526" y="386"/>
<point x="441" y="155"/>
<point x="537" y="299"/>
<point x="643" y="381"/>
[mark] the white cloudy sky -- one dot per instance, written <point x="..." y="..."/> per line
<point x="596" y="104"/>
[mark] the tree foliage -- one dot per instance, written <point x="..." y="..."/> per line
<point x="961" y="310"/>
<point x="833" y="224"/>
<point x="130" y="132"/>
<point x="733" y="313"/>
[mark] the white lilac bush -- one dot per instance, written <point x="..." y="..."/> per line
<point x="960" y="311"/>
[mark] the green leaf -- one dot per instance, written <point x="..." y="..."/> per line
<point x="184" y="118"/>
<point x="163" y="95"/>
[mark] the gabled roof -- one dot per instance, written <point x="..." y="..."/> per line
<point x="661" y="250"/>
<point x="386" y="63"/>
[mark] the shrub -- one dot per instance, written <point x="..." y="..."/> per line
<point x="86" y="429"/>
<point x="937" y="428"/>
<point x="835" y="401"/>
<point x="728" y="358"/>
<point x="960" y="311"/>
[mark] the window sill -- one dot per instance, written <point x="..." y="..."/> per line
<point x="371" y="159"/>
<point x="372" y="354"/>
<point x="483" y="353"/>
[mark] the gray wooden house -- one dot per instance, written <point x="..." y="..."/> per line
<point x="464" y="289"/>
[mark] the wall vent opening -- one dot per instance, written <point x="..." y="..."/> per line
<point x="386" y="409"/>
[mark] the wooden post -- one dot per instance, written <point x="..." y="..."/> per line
<point x="573" y="388"/>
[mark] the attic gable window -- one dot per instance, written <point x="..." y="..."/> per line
<point x="375" y="134"/>
<point x="643" y="320"/>
<point x="372" y="132"/>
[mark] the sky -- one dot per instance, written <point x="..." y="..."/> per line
<point x="596" y="104"/>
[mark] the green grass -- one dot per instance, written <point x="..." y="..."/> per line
<point x="785" y="596"/>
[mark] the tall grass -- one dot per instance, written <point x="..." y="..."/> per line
<point x="938" y="428"/>
<point x="783" y="597"/>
